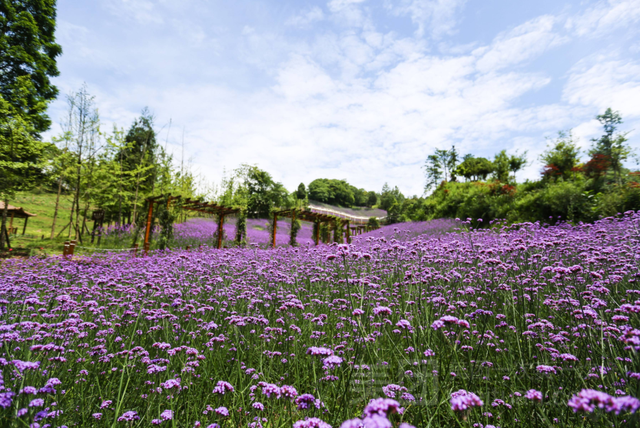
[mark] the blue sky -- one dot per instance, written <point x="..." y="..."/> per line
<point x="362" y="90"/>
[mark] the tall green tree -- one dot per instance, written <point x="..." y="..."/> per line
<point x="611" y="146"/>
<point x="441" y="166"/>
<point x="501" y="166"/>
<point x="140" y="154"/>
<point x="28" y="53"/>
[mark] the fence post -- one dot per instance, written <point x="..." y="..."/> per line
<point x="135" y="250"/>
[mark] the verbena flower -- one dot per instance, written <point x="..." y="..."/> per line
<point x="462" y="400"/>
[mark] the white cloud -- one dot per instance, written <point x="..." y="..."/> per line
<point x="353" y="100"/>
<point x="524" y="42"/>
<point x="143" y="11"/>
<point x="605" y="17"/>
<point x="337" y="5"/>
<point x="348" y="12"/>
<point x="605" y="81"/>
<point x="436" y="17"/>
<point x="310" y="16"/>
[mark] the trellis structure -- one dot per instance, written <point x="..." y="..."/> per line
<point x="313" y="217"/>
<point x="189" y="205"/>
<point x="210" y="208"/>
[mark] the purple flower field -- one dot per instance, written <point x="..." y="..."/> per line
<point x="201" y="231"/>
<point x="522" y="326"/>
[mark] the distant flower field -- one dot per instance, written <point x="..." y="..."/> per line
<point x="411" y="325"/>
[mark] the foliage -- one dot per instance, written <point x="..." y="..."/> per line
<point x="241" y="228"/>
<point x="373" y="223"/>
<point x="611" y="147"/>
<point x="390" y="196"/>
<point x="293" y="233"/>
<point x="561" y="158"/>
<point x="441" y="166"/>
<point x="372" y="199"/>
<point x="21" y="155"/>
<point x="28" y="59"/>
<point x="475" y="168"/>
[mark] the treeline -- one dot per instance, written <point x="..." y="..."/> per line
<point x="110" y="171"/>
<point x="568" y="188"/>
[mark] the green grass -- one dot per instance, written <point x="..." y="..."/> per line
<point x="38" y="232"/>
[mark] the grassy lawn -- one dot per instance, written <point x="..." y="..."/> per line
<point x="38" y="230"/>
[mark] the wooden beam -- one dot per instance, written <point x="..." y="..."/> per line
<point x="24" y="229"/>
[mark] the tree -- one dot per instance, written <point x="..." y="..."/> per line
<point x="141" y="151"/>
<point x="372" y="199"/>
<point x="433" y="172"/>
<point x="609" y="146"/>
<point x="517" y="162"/>
<point x="441" y="166"/>
<point x="21" y="158"/>
<point x="262" y="192"/>
<point x="473" y="168"/>
<point x="501" y="166"/>
<point x="84" y="126"/>
<point x="561" y="157"/>
<point x="390" y="196"/>
<point x="28" y="59"/>
<point x="301" y="194"/>
<point x="331" y="191"/>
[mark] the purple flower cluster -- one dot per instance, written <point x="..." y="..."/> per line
<point x="588" y="399"/>
<point x="462" y="400"/>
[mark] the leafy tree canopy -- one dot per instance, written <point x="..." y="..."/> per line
<point x="28" y="58"/>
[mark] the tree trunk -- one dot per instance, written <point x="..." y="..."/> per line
<point x="55" y="212"/>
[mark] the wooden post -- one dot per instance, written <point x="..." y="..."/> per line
<point x="220" y="230"/>
<point x="275" y="227"/>
<point x="317" y="237"/>
<point x="24" y="229"/>
<point x="293" y="220"/>
<point x="135" y="250"/>
<point x="348" y="234"/>
<point x="146" y="233"/>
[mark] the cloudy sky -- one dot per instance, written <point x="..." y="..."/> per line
<point x="362" y="90"/>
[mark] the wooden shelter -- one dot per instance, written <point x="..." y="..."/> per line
<point x="14" y="213"/>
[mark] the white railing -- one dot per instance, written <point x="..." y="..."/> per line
<point x="340" y="214"/>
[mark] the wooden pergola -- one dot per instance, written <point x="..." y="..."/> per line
<point x="189" y="205"/>
<point x="220" y="210"/>
<point x="13" y="213"/>
<point x="307" y="215"/>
